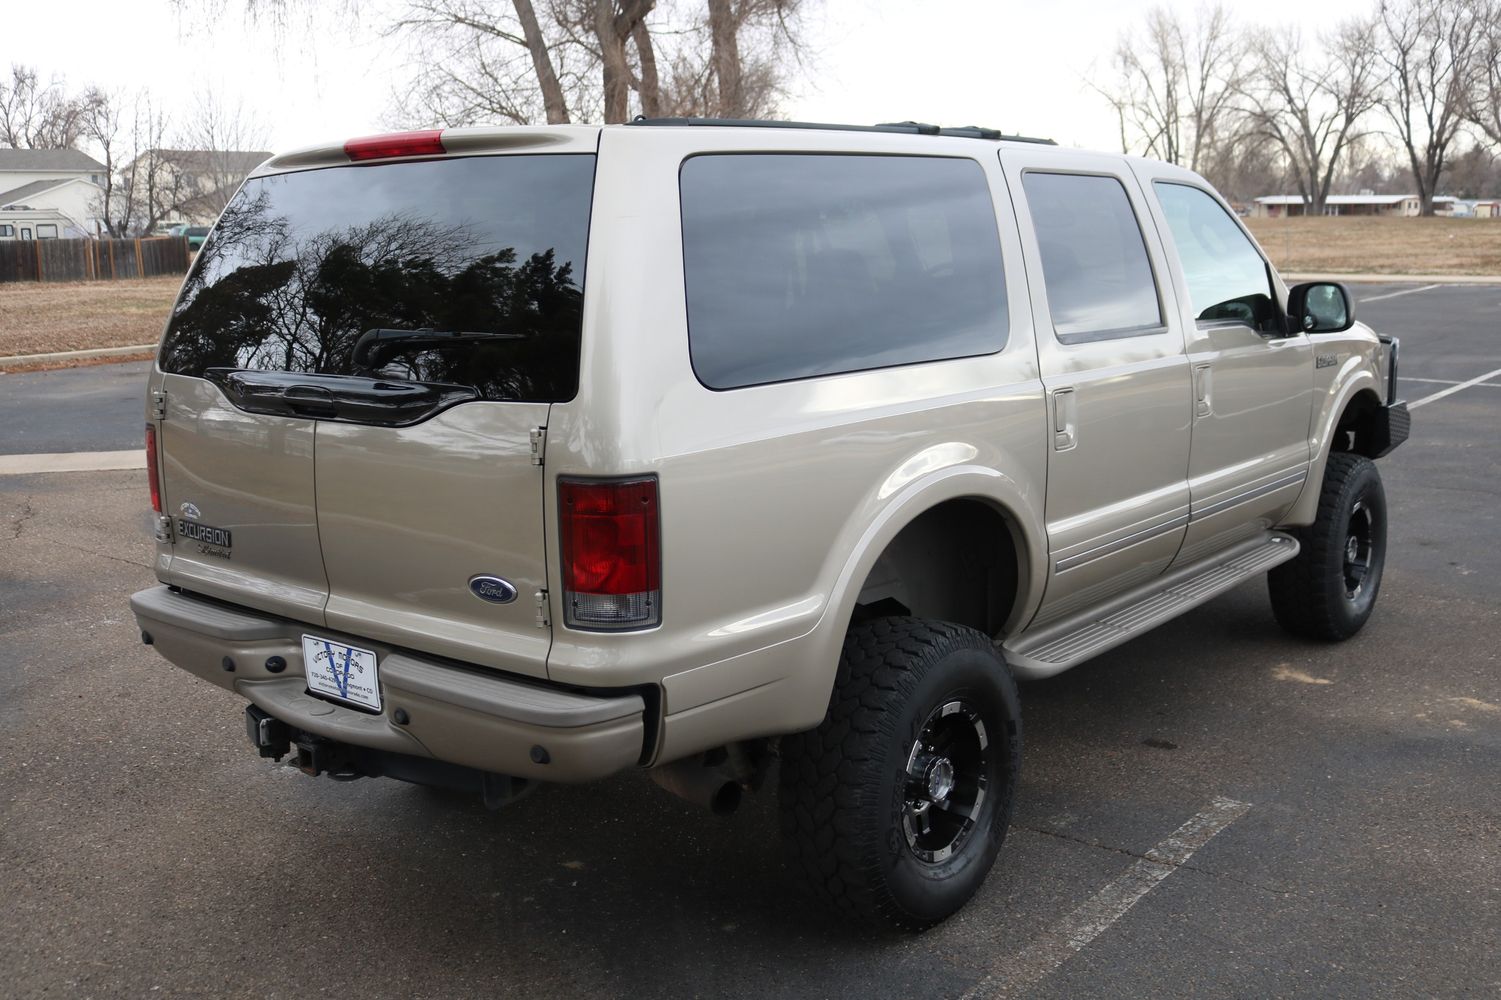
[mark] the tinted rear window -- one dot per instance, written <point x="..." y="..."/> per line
<point x="302" y="264"/>
<point x="804" y="265"/>
<point x="1094" y="259"/>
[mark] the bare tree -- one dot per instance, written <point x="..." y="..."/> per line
<point x="1310" y="105"/>
<point x="40" y="115"/>
<point x="101" y="128"/>
<point x="480" y="62"/>
<point x="1474" y="173"/>
<point x="596" y="59"/>
<point x="1484" y="105"/>
<point x="1175" y="84"/>
<point x="220" y="143"/>
<point x="1430" y="50"/>
<point x="614" y="23"/>
<point x="149" y="177"/>
<point x="749" y="42"/>
<point x="724" y="41"/>
<point x="144" y="191"/>
<point x="547" y="78"/>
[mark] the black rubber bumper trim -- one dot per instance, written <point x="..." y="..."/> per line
<point x="1390" y="426"/>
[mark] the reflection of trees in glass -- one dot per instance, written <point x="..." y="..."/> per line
<point x="266" y="296"/>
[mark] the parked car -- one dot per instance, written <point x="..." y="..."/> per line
<point x="734" y="451"/>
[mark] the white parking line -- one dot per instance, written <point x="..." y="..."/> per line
<point x="1453" y="389"/>
<point x="1071" y="934"/>
<point x="1392" y="295"/>
<point x="1435" y="381"/>
<point x="78" y="461"/>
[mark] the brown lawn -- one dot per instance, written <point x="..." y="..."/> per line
<point x="1382" y="245"/>
<point x="41" y="317"/>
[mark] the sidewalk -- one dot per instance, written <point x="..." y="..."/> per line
<point x="1394" y="279"/>
<point x="66" y="358"/>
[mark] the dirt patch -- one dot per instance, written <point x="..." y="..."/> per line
<point x="1342" y="245"/>
<point x="42" y="317"/>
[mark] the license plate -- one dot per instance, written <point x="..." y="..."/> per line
<point x="344" y="673"/>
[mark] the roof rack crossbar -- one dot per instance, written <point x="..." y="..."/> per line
<point x="905" y="128"/>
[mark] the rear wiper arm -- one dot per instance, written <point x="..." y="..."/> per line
<point x="375" y="342"/>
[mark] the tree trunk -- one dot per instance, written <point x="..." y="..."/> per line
<point x="723" y="37"/>
<point x="651" y="88"/>
<point x="547" y="77"/>
<point x="617" y="72"/>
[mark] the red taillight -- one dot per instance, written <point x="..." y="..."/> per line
<point x="156" y="486"/>
<point x="428" y="142"/>
<point x="612" y="556"/>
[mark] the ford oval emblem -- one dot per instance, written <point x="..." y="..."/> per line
<point x="190" y="511"/>
<point x="492" y="589"/>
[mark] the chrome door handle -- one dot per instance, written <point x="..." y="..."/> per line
<point x="1065" y="419"/>
<point x="1203" y="391"/>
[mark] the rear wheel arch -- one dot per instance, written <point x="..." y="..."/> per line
<point x="963" y="560"/>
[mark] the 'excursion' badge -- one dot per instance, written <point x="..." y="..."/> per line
<point x="492" y="589"/>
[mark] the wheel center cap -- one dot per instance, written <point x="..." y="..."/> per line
<point x="1352" y="549"/>
<point x="940" y="779"/>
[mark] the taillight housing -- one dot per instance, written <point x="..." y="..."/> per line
<point x="612" y="553"/>
<point x="151" y="469"/>
<point x="428" y="142"/>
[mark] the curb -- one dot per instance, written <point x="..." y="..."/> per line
<point x="1395" y="279"/>
<point x="96" y="352"/>
<point x="86" y="461"/>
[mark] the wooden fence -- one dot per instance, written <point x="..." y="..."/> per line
<point x="92" y="260"/>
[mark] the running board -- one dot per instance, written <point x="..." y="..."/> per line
<point x="1067" y="643"/>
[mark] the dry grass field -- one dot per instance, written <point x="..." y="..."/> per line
<point x="1344" y="245"/>
<point x="37" y="318"/>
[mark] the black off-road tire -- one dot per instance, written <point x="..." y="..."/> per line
<point x="1319" y="594"/>
<point x="846" y="788"/>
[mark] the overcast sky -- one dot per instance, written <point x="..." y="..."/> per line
<point x="1020" y="67"/>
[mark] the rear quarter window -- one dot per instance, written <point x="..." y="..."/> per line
<point x="804" y="265"/>
<point x="303" y="264"/>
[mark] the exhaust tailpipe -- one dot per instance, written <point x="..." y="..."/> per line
<point x="711" y="786"/>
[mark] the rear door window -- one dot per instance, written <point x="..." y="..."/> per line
<point x="805" y="265"/>
<point x="1094" y="259"/>
<point x="463" y="271"/>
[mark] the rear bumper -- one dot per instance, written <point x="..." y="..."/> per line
<point x="467" y="716"/>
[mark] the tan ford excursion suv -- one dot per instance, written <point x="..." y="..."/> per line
<point x="488" y="457"/>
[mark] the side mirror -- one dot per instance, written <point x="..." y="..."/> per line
<point x="1321" y="307"/>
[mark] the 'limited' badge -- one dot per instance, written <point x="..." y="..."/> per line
<point x="492" y="589"/>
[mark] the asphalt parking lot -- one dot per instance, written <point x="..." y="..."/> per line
<point x="1347" y="797"/>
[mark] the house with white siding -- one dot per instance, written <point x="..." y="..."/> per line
<point x="1273" y="206"/>
<point x="48" y="193"/>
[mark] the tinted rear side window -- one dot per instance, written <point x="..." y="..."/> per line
<point x="804" y="265"/>
<point x="302" y="264"/>
<point x="1094" y="260"/>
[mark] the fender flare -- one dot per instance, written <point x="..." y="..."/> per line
<point x="1305" y="508"/>
<point x="968" y="482"/>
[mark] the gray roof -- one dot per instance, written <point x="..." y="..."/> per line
<point x="208" y="159"/>
<point x="36" y="160"/>
<point x="20" y="194"/>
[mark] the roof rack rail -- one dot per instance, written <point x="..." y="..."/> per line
<point x="905" y="128"/>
